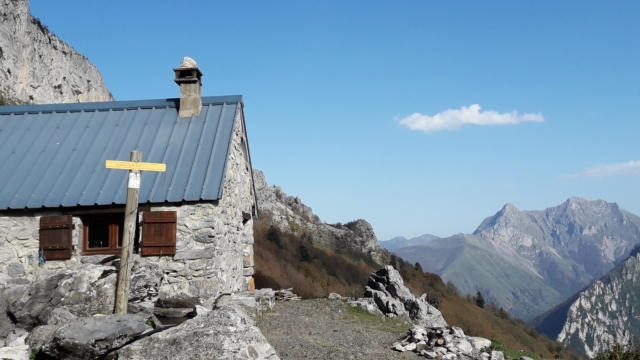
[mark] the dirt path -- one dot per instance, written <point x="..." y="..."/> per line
<point x="330" y="329"/>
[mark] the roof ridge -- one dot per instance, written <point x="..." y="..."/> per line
<point x="113" y="105"/>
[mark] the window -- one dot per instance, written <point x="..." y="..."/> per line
<point x="102" y="233"/>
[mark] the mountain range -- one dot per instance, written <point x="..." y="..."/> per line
<point x="530" y="261"/>
<point x="401" y="241"/>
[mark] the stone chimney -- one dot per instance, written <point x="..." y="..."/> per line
<point x="189" y="78"/>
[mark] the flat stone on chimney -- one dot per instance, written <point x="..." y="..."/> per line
<point x="189" y="78"/>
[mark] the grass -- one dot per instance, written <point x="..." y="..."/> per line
<point x="510" y="353"/>
<point x="394" y="325"/>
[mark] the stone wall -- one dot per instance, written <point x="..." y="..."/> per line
<point x="37" y="67"/>
<point x="214" y="246"/>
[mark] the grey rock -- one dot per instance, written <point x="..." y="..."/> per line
<point x="485" y="356"/>
<point x="429" y="354"/>
<point x="89" y="337"/>
<point x="60" y="316"/>
<point x="86" y="290"/>
<point x="457" y="332"/>
<point x="463" y="346"/>
<point x="497" y="355"/>
<point x="524" y="358"/>
<point x="36" y="66"/>
<point x="194" y="254"/>
<point x="15" y="269"/>
<point x="334" y="296"/>
<point x="366" y="304"/>
<point x="393" y="298"/>
<point x="410" y="347"/>
<point x="605" y="312"/>
<point x="479" y="343"/>
<point x="20" y="352"/>
<point x="224" y="333"/>
<point x="95" y="259"/>
<point x="145" y="281"/>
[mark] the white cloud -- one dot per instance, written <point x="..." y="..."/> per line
<point x="452" y="119"/>
<point x="626" y="168"/>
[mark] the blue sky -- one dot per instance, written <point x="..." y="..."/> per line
<point x="339" y="94"/>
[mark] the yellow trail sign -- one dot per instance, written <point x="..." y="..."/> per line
<point x="130" y="165"/>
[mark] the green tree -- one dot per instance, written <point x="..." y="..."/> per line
<point x="418" y="267"/>
<point x="479" y="299"/>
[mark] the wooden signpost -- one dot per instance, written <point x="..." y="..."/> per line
<point x="130" y="214"/>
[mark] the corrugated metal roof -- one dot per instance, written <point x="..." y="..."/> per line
<point x="54" y="155"/>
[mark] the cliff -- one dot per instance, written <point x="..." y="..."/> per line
<point x="37" y="67"/>
<point x="606" y="312"/>
<point x="290" y="214"/>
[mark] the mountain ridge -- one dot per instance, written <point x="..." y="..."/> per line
<point x="547" y="254"/>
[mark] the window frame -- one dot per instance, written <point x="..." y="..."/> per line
<point x="114" y="227"/>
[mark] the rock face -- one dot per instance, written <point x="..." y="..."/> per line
<point x="290" y="214"/>
<point x="84" y="291"/>
<point x="606" y="312"/>
<point x="549" y="255"/>
<point x="224" y="333"/>
<point x="37" y="67"/>
<point x="87" y="337"/>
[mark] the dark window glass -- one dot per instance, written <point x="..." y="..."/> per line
<point x="98" y="235"/>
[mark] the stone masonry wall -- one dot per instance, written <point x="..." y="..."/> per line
<point x="214" y="252"/>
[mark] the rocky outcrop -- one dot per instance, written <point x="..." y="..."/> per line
<point x="37" y="67"/>
<point x="84" y="291"/>
<point x="606" y="313"/>
<point x="431" y="337"/>
<point x="223" y="333"/>
<point x="290" y="214"/>
<point x="387" y="290"/>
<point x="87" y="337"/>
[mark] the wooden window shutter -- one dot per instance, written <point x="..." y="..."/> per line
<point x="55" y="237"/>
<point x="158" y="233"/>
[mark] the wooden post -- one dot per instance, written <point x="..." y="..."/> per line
<point x="130" y="217"/>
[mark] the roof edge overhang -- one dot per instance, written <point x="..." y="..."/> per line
<point x="113" y="105"/>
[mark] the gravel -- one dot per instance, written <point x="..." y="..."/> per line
<point x="331" y="329"/>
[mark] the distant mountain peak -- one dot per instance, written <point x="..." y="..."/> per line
<point x="509" y="208"/>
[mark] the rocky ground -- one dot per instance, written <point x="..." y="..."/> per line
<point x="331" y="329"/>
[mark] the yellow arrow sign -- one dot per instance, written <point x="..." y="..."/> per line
<point x="130" y="165"/>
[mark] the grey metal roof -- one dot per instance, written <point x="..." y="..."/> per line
<point x="54" y="155"/>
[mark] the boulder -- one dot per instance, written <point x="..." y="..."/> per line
<point x="87" y="337"/>
<point x="387" y="290"/>
<point x="145" y="281"/>
<point x="15" y="353"/>
<point x="224" y="333"/>
<point x="497" y="355"/>
<point x="479" y="343"/>
<point x="366" y="304"/>
<point x="86" y="290"/>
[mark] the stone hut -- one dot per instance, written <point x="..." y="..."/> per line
<point x="60" y="207"/>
